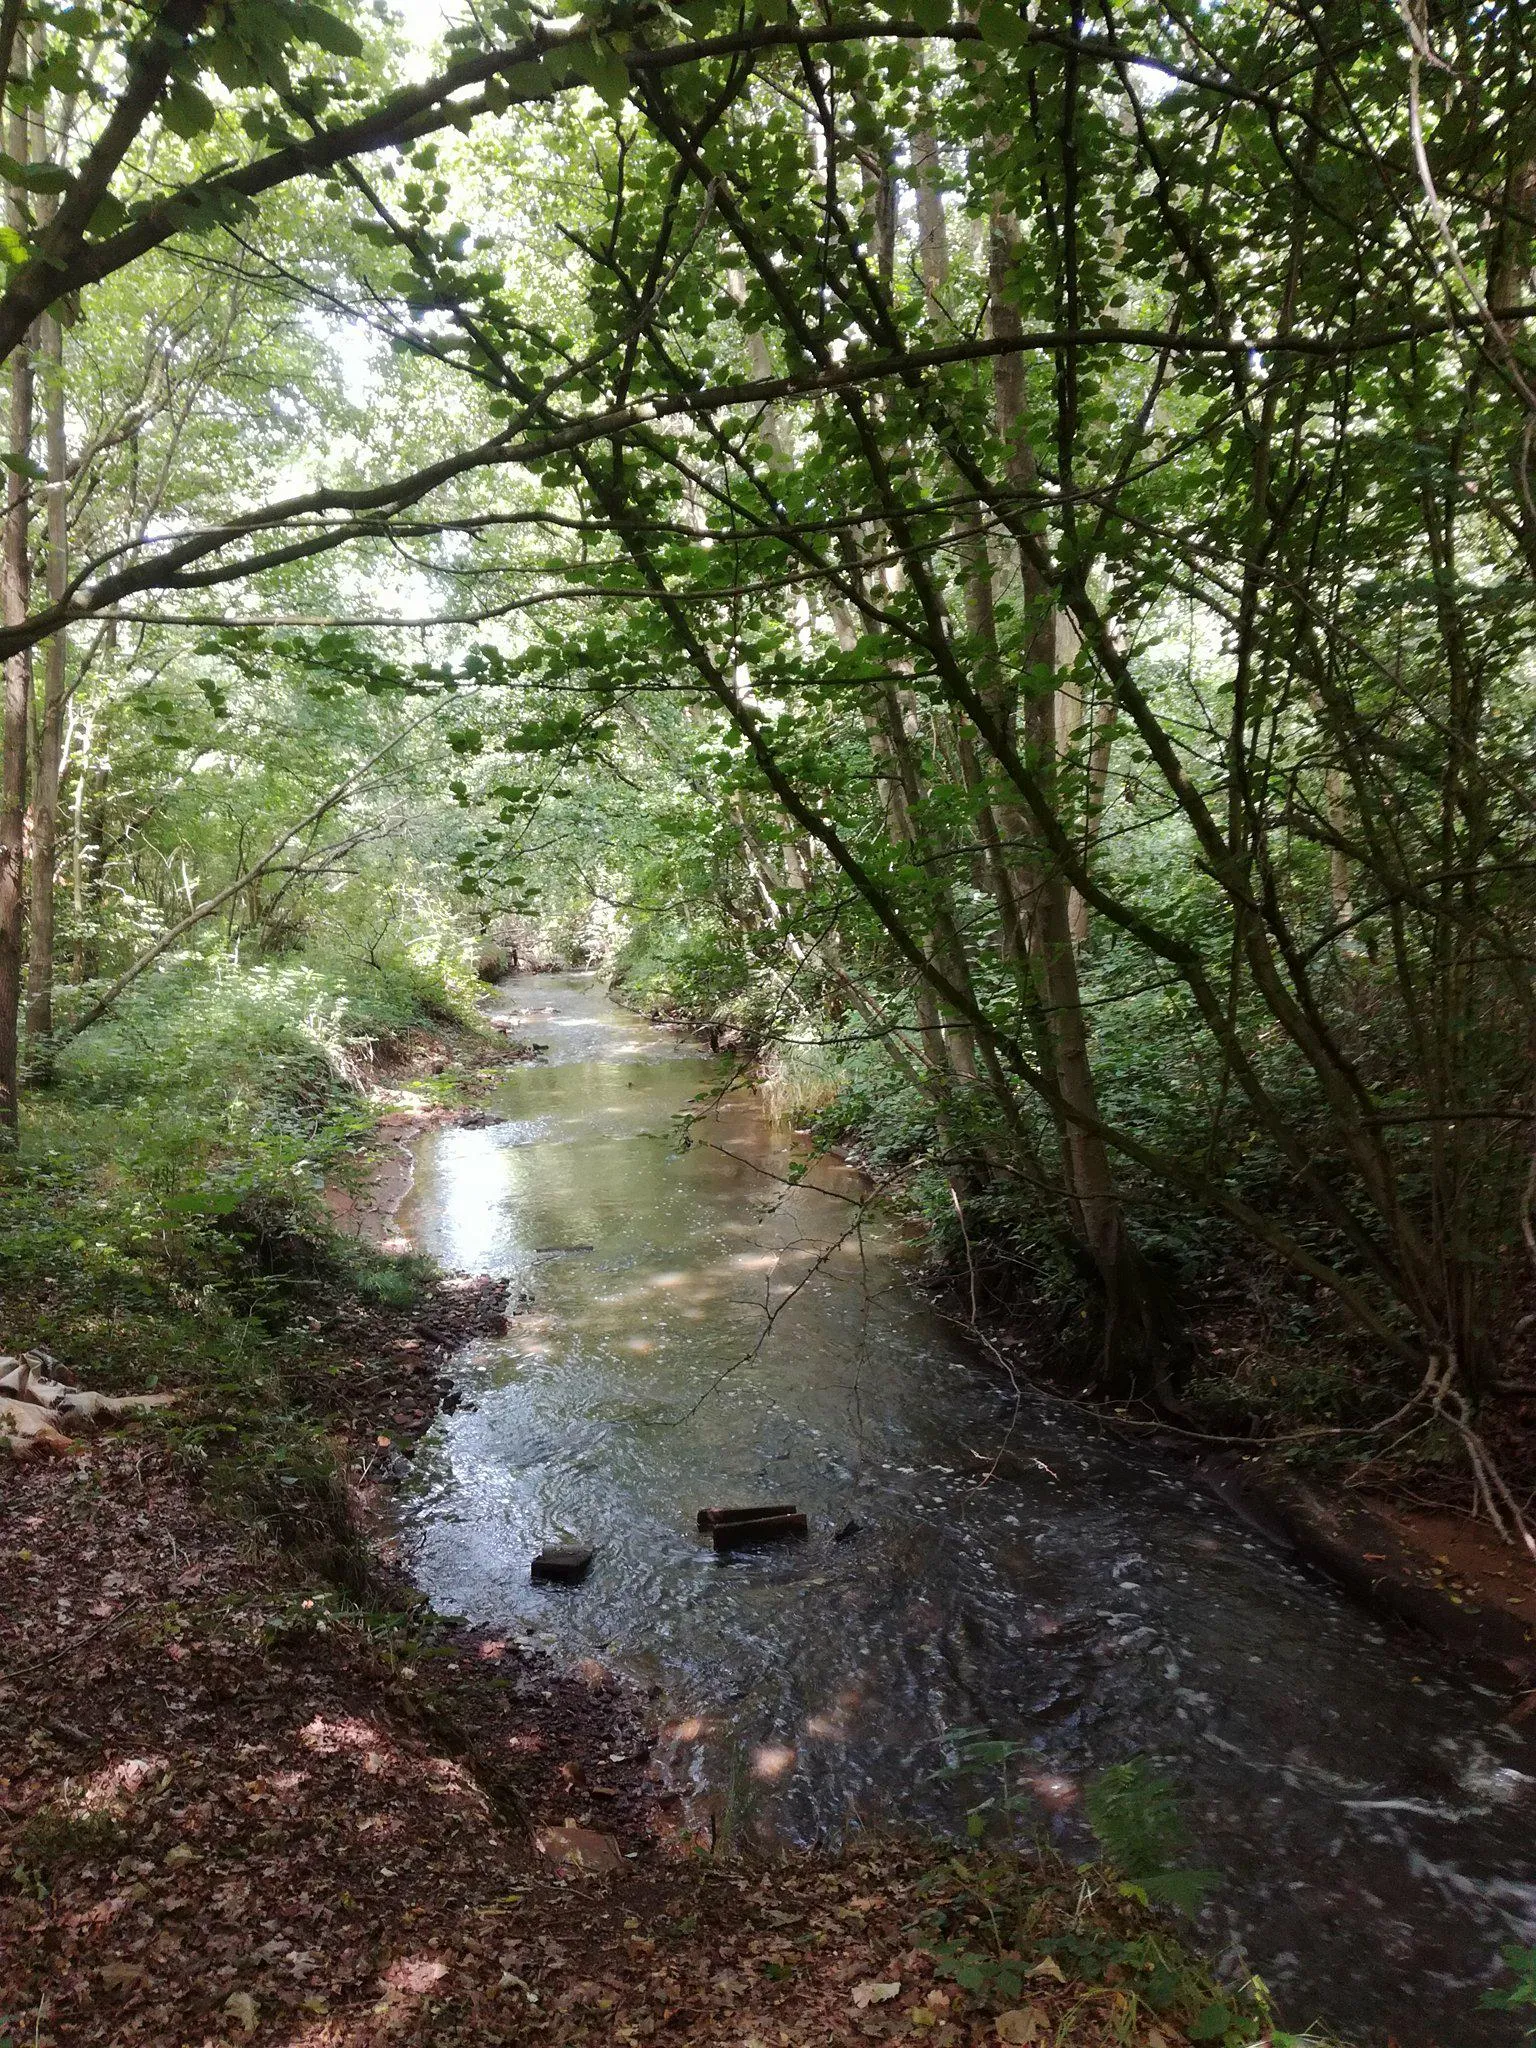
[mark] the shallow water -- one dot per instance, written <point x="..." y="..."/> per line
<point x="698" y="1329"/>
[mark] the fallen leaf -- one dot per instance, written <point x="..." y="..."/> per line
<point x="873" y="1992"/>
<point x="241" y="2008"/>
<point x="415" y="1974"/>
<point x="123" y="1976"/>
<point x="1022" y="2025"/>
<point x="1048" y="1968"/>
<point x="584" y="1847"/>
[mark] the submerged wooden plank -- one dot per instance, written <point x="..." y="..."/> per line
<point x="713" y="1518"/>
<point x="767" y="1529"/>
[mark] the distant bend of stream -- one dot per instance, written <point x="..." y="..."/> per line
<point x="698" y="1328"/>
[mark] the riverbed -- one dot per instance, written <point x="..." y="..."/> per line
<point x="695" y="1324"/>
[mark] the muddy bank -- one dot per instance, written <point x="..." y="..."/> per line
<point x="1440" y="1575"/>
<point x="1444" y="1577"/>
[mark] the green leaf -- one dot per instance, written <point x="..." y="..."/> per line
<point x="188" y="111"/>
<point x="1509" y="1998"/>
<point x="23" y="465"/>
<point x="317" y="25"/>
<point x="59" y="72"/>
<point x="34" y="177"/>
<point x="110" y="215"/>
<point x="1213" y="2023"/>
<point x="231" y="61"/>
<point x="932" y="15"/>
<point x="43" y="177"/>
<point x="604" y="70"/>
<point x="1002" y="25"/>
<point x="528" y="80"/>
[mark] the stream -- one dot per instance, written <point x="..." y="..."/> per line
<point x="695" y="1327"/>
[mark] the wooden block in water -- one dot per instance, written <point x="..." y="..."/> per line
<point x="714" y="1518"/>
<point x="766" y="1529"/>
<point x="562" y="1564"/>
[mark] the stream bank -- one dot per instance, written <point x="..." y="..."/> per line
<point x="255" y="1793"/>
<point x="1421" y="1564"/>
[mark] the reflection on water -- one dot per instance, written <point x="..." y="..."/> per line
<point x="702" y="1330"/>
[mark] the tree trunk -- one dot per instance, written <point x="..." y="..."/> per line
<point x="14" y="736"/>
<point x="1074" y="733"/>
<point x="90" y="833"/>
<point x="16" y="699"/>
<point x="1133" y="1357"/>
<point x="932" y="233"/>
<point x="45" y="802"/>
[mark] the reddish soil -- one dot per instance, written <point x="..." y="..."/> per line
<point x="379" y="1375"/>
<point x="1467" y="1558"/>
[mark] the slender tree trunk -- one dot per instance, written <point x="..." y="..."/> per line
<point x="90" y="808"/>
<point x="1133" y="1355"/>
<point x="1099" y="731"/>
<point x="932" y="233"/>
<point x="14" y="736"/>
<point x="15" y="718"/>
<point x="45" y="802"/>
<point x="1339" y="885"/>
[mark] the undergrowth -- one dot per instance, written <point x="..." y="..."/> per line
<point x="1011" y="1917"/>
<point x="164" y="1224"/>
<point x="1030" y="1931"/>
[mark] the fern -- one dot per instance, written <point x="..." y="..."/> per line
<point x="1511" y="1997"/>
<point x="1134" y="1815"/>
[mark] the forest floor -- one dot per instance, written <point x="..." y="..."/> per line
<point x="252" y="1791"/>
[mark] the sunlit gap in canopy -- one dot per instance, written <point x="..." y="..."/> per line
<point x="422" y="25"/>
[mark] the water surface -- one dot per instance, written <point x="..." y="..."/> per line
<point x="698" y="1328"/>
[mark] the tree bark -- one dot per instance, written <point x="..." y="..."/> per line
<point x="932" y="233"/>
<point x="15" y="718"/>
<point x="1133" y="1356"/>
<point x="45" y="802"/>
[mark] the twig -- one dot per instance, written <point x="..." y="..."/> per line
<point x="87" y="1636"/>
<point x="970" y="1263"/>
